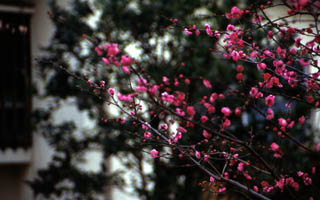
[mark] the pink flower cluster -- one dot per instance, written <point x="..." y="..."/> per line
<point x="235" y="13"/>
<point x="111" y="53"/>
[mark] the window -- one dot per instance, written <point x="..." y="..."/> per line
<point x="15" y="81"/>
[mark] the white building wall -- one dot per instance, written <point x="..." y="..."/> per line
<point x="42" y="32"/>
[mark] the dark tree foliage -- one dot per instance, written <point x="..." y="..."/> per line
<point x="146" y="24"/>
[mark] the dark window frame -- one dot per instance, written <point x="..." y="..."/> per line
<point x="15" y="81"/>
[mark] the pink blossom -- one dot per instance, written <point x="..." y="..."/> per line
<point x="261" y="66"/>
<point x="191" y="111"/>
<point x="208" y="30"/>
<point x="144" y="126"/>
<point x="254" y="54"/>
<point x="186" y="31"/>
<point x="277" y="155"/>
<point x="180" y="112"/>
<point x="204" y="119"/>
<point x="153" y="90"/>
<point x="213" y="97"/>
<point x="269" y="100"/>
<point x="147" y="134"/>
<point x="142" y="82"/>
<point x="141" y="89"/>
<point x="295" y="186"/>
<point x="176" y="82"/>
<point x="259" y="95"/>
<point x="113" y="50"/>
<point x="255" y="188"/>
<point x="253" y="92"/>
<point x="123" y="120"/>
<point x="105" y="61"/>
<point x="206" y="134"/>
<point x="318" y="147"/>
<point x="257" y="19"/>
<point x="237" y="111"/>
<point x="309" y="99"/>
<point x="197" y="154"/>
<point x="313" y="170"/>
<point x="197" y="32"/>
<point x="275" y="147"/>
<point x="268" y="53"/>
<point x="270" y="35"/>
<point x="282" y="122"/>
<point x="122" y="97"/>
<point x="289" y="180"/>
<point x="177" y="136"/>
<point x="181" y="97"/>
<point x="164" y="127"/>
<point x="291" y="124"/>
<point x="167" y="97"/>
<point x="111" y="91"/>
<point x="222" y="189"/>
<point x="226" y="111"/>
<point x="235" y="13"/>
<point x="125" y="60"/>
<point x="226" y="123"/>
<point x="211" y="179"/>
<point x="280" y="184"/>
<point x="98" y="50"/>
<point x="303" y="62"/>
<point x="240" y="167"/>
<point x="126" y="69"/>
<point x="230" y="27"/>
<point x="264" y="184"/>
<point x="300" y="4"/>
<point x="106" y="46"/>
<point x="102" y="83"/>
<point x="206" y="158"/>
<point x="239" y="68"/>
<point x="165" y="80"/>
<point x="211" y="109"/>
<point x="247" y="175"/>
<point x="235" y="55"/>
<point x="187" y="81"/>
<point x="281" y="52"/>
<point x="207" y="83"/>
<point x="300" y="173"/>
<point x="297" y="42"/>
<point x="293" y="51"/>
<point x="269" y="189"/>
<point x="307" y="181"/>
<point x="270" y="114"/>
<point x="154" y="153"/>
<point x="217" y="34"/>
<point x="181" y="129"/>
